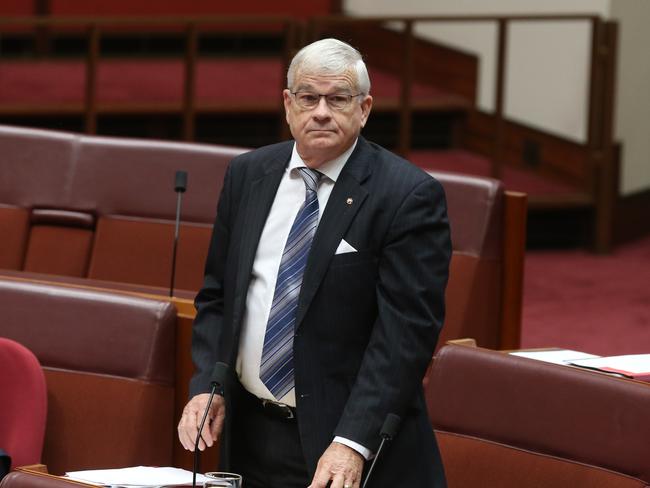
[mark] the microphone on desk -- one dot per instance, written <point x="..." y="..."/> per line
<point x="180" y="185"/>
<point x="217" y="383"/>
<point x="387" y="433"/>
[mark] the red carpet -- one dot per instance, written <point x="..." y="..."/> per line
<point x="587" y="302"/>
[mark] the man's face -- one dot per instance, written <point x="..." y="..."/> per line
<point x="322" y="133"/>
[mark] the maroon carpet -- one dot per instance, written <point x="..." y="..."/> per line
<point x="587" y="302"/>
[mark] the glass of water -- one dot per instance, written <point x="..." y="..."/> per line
<point x="218" y="479"/>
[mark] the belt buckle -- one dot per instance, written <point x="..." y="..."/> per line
<point x="286" y="410"/>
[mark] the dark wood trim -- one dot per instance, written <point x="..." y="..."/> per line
<point x="515" y="216"/>
<point x="448" y="69"/>
<point x="189" y="82"/>
<point x="336" y="7"/>
<point x="90" y="98"/>
<point x="405" y="91"/>
<point x="499" y="126"/>
<point x="42" y="8"/>
<point x="526" y="147"/>
<point x="607" y="174"/>
<point x="632" y="219"/>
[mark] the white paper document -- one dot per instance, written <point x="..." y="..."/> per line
<point x="630" y="365"/>
<point x="556" y="356"/>
<point x="145" y="476"/>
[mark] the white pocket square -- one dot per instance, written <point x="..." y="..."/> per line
<point x="344" y="247"/>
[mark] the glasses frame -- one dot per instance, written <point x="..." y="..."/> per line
<point x="327" y="101"/>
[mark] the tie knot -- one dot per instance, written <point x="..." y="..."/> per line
<point x="311" y="178"/>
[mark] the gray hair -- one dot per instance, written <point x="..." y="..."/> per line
<point x="329" y="57"/>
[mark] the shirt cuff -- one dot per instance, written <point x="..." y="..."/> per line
<point x="365" y="452"/>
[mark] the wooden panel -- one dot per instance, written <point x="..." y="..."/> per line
<point x="514" y="243"/>
<point x="548" y="155"/>
<point x="632" y="218"/>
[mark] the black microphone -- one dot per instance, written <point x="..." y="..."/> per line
<point x="217" y="382"/>
<point x="180" y="185"/>
<point x="387" y="433"/>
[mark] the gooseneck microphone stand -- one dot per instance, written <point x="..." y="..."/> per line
<point x="387" y="433"/>
<point x="180" y="185"/>
<point x="217" y="382"/>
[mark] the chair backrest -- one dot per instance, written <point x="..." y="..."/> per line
<point x="23" y="403"/>
<point x="109" y="363"/>
<point x="32" y="479"/>
<point x="485" y="289"/>
<point x="510" y="422"/>
<point x="104" y="208"/>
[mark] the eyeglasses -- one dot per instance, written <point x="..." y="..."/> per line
<point x="337" y="101"/>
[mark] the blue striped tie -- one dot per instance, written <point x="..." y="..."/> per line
<point x="276" y="370"/>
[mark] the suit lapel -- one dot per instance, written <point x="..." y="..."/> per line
<point x="345" y="201"/>
<point x="256" y="210"/>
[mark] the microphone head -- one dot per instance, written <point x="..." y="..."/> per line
<point x="391" y="426"/>
<point x="180" y="183"/>
<point x="219" y="374"/>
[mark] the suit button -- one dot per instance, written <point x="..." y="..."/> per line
<point x="304" y="395"/>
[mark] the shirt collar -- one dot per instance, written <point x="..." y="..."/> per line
<point x="332" y="169"/>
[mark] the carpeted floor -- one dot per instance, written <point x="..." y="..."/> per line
<point x="591" y="303"/>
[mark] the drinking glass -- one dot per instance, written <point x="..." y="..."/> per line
<point x="220" y="479"/>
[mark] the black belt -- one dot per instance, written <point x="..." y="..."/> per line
<point x="273" y="409"/>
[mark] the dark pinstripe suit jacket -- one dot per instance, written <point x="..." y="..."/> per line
<point x="367" y="321"/>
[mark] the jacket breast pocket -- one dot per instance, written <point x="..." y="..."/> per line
<point x="353" y="258"/>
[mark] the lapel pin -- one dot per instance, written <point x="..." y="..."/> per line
<point x="349" y="201"/>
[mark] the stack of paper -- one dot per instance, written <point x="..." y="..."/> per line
<point x="556" y="356"/>
<point x="635" y="366"/>
<point x="138" y="476"/>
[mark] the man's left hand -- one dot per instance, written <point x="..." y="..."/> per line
<point x="339" y="464"/>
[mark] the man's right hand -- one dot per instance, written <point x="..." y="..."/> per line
<point x="191" y="419"/>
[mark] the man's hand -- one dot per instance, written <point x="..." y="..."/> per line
<point x="191" y="419"/>
<point x="340" y="464"/>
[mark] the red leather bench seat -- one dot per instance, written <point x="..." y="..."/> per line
<point x="104" y="208"/>
<point x="475" y="207"/>
<point x="510" y="422"/>
<point x="109" y="366"/>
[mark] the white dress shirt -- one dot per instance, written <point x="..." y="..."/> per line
<point x="288" y="200"/>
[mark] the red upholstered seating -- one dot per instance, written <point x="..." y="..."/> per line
<point x="109" y="363"/>
<point x="104" y="208"/>
<point x="485" y="277"/>
<point x="23" y="404"/>
<point x="510" y="422"/>
<point x="14" y="227"/>
<point x="33" y="479"/>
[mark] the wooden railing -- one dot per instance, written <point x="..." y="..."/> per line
<point x="600" y="145"/>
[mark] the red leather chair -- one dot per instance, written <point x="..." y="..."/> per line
<point x="510" y="422"/>
<point x="23" y="404"/>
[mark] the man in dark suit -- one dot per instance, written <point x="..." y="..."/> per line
<point x="324" y="293"/>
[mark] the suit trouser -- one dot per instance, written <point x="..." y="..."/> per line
<point x="266" y="448"/>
